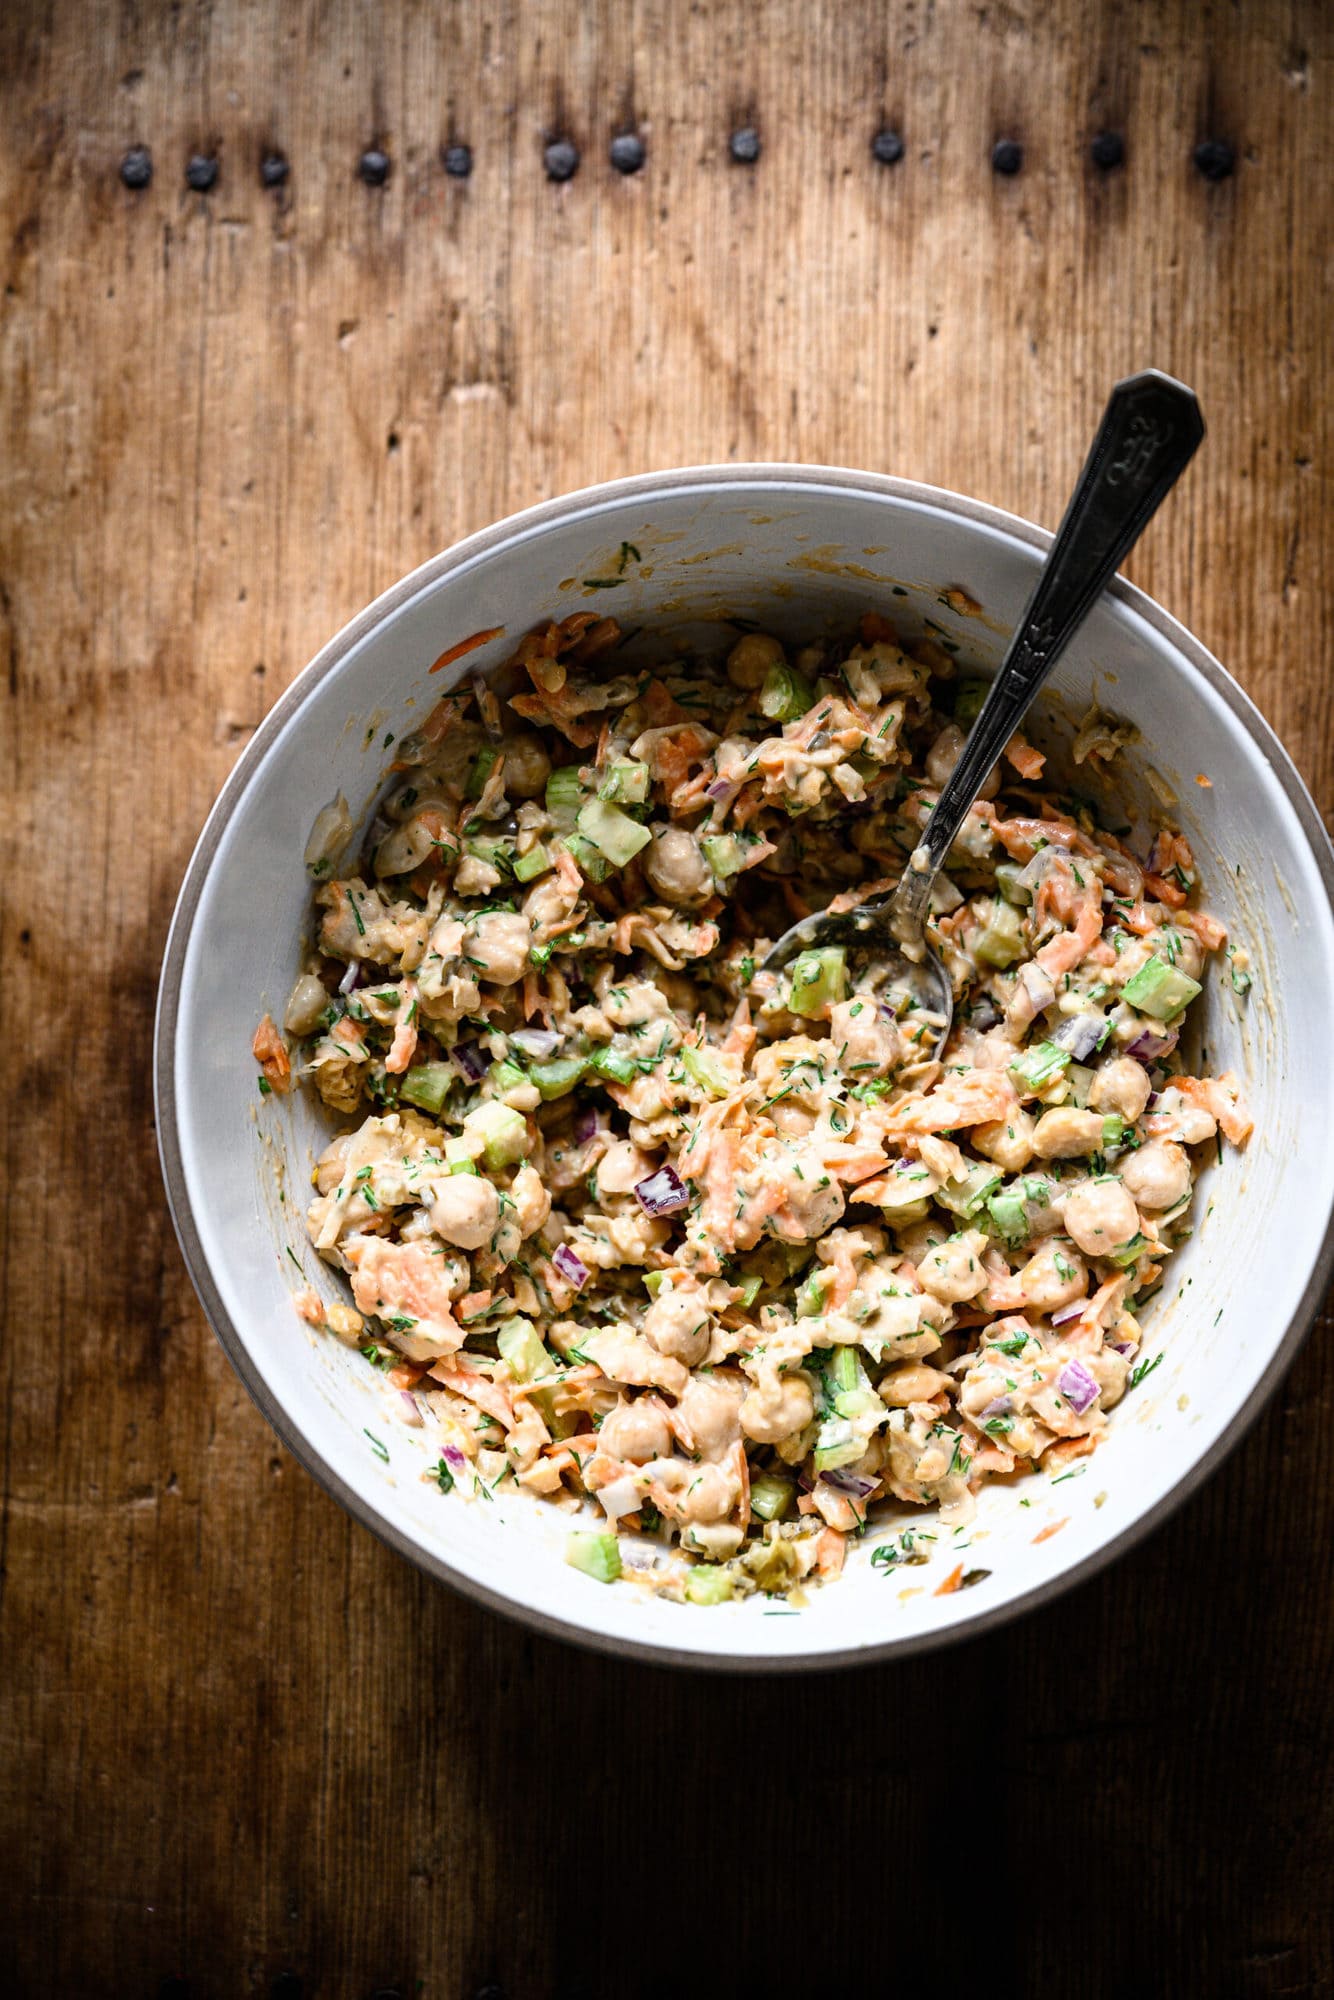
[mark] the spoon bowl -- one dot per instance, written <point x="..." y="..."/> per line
<point x="1149" y="433"/>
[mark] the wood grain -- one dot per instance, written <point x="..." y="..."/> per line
<point x="243" y="1749"/>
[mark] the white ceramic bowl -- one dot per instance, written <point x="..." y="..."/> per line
<point x="807" y="550"/>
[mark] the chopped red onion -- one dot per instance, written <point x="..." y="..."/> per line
<point x="1148" y="1047"/>
<point x="1122" y="1346"/>
<point x="999" y="1406"/>
<point x="985" y="1014"/>
<point x="1153" y="1100"/>
<point x="1077" y="1386"/>
<point x="351" y="976"/>
<point x="1068" y="1312"/>
<point x="411" y="1411"/>
<point x="570" y="1265"/>
<point x="587" y="1126"/>
<point x="662" y="1193"/>
<point x="536" y="1042"/>
<point x="1037" y="985"/>
<point x="718" y="789"/>
<point x="1081" y="1034"/>
<point x="857" y="1485"/>
<point x="454" y="1458"/>
<point x="472" y="1059"/>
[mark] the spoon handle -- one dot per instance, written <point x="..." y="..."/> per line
<point x="1147" y="436"/>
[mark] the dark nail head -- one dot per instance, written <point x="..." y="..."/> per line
<point x="458" y="162"/>
<point x="627" y="152"/>
<point x="744" y="146"/>
<point x="373" y="166"/>
<point x="1107" y="151"/>
<point x="202" y="172"/>
<point x="1007" y="156"/>
<point x="1215" y="159"/>
<point x="136" y="169"/>
<point x="286" y="1986"/>
<point x="887" y="147"/>
<point x="273" y="170"/>
<point x="561" y="160"/>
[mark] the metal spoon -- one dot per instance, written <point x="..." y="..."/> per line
<point x="1147" y="436"/>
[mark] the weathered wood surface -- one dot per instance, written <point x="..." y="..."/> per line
<point x="240" y="1743"/>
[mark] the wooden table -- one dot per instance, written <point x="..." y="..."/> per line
<point x="245" y="1749"/>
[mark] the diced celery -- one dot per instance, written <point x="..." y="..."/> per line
<point x="819" y="980"/>
<point x="1159" y="989"/>
<point x="506" y="1076"/>
<point x="1007" y="881"/>
<point x="1001" y="938"/>
<point x="589" y="860"/>
<point x="483" y="764"/>
<point x="565" y="792"/>
<point x="1128" y="1252"/>
<point x="598" y="1556"/>
<point x="843" y="1371"/>
<point x="654" y="1282"/>
<point x="968" y="701"/>
<point x="966" y="1196"/>
<point x="625" y="785"/>
<point x="497" y="854"/>
<point x="503" y="1132"/>
<point x="527" y="867"/>
<point x="558" y="1077"/>
<point x="723" y="853"/>
<point x="837" y="1444"/>
<point x="427" y="1085"/>
<point x="707" y="1584"/>
<point x="540" y="955"/>
<point x="615" y="1063"/>
<point x="1113" y="1129"/>
<point x="1036" y="1067"/>
<point x="613" y="832"/>
<point x="519" y="1347"/>
<point x="706" y="1068"/>
<point x="1009" y="1214"/>
<point x="463" y="1165"/>
<point x="858" y="1403"/>
<point x="770" y="1496"/>
<point x="750" y="1284"/>
<point x="810" y="1294"/>
<point x="786" y="694"/>
<point x="460" y="1157"/>
<point x="903" y="1201"/>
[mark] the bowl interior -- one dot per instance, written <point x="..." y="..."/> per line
<point x="804" y="553"/>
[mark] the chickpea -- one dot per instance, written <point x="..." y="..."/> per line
<point x="1054" y="1276"/>
<point x="777" y="1409"/>
<point x="709" y="1494"/>
<point x="676" y="867"/>
<point x="944" y="754"/>
<point x="1101" y="1216"/>
<point x="953" y="1270"/>
<point x="751" y="658"/>
<point x="465" y="1210"/>
<point x="1121" y="1085"/>
<point x="408" y="845"/>
<point x="621" y="1167"/>
<point x="1067" y="1134"/>
<point x="678" y="1324"/>
<point x="636" y="1431"/>
<point x="500" y="947"/>
<point x="709" y="1409"/>
<point x="1158" y="1175"/>
<point x="527" y="766"/>
<point x="1007" y="1141"/>
<point x="910" y="1382"/>
<point x="532" y="1203"/>
<point x="305" y="1004"/>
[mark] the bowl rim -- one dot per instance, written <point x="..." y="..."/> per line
<point x="647" y="487"/>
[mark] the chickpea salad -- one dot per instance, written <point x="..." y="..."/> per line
<point x="734" y="1255"/>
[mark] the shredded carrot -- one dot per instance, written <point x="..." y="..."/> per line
<point x="1200" y="779"/>
<point x="1046" y="1534"/>
<point x="468" y="645"/>
<point x="951" y="1583"/>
